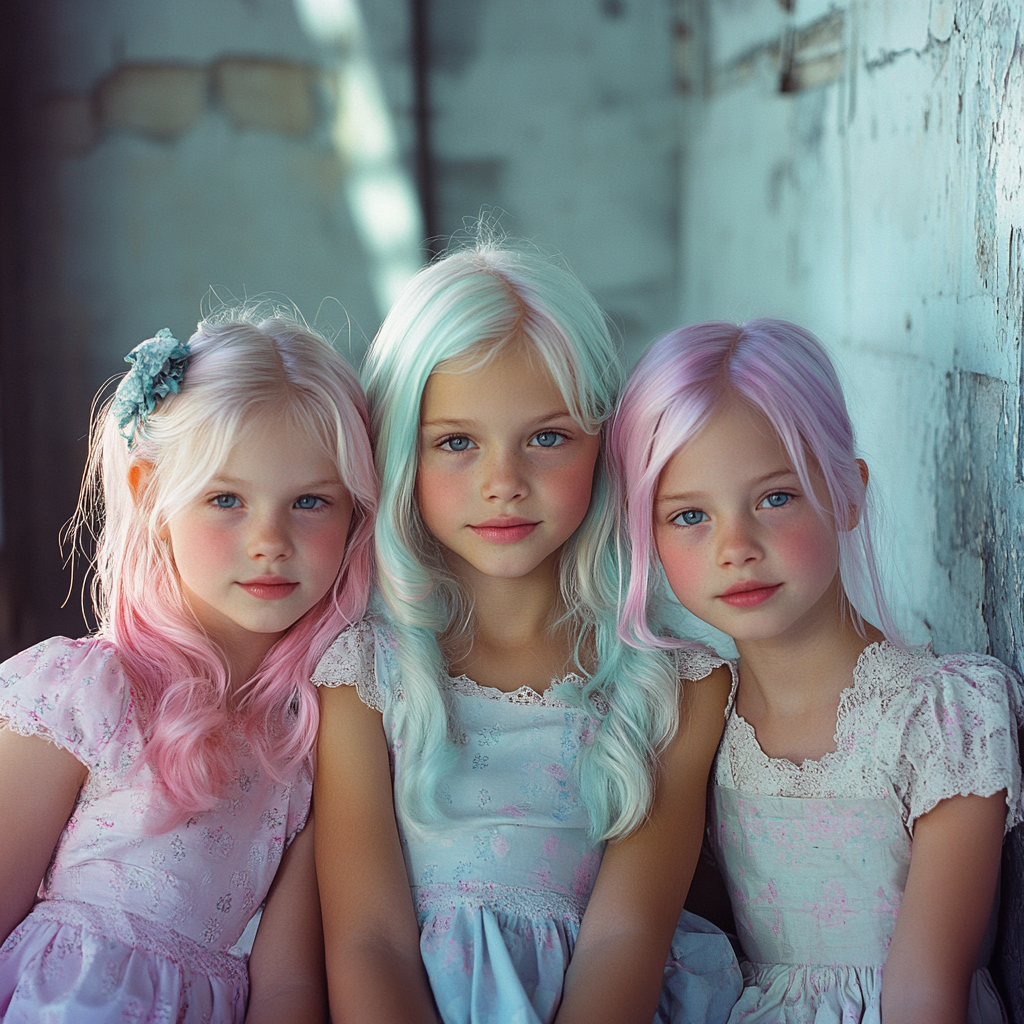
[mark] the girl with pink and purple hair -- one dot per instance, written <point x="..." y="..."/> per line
<point x="155" y="777"/>
<point x="862" y="787"/>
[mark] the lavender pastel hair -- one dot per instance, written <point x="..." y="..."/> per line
<point x="783" y="372"/>
<point x="243" y="369"/>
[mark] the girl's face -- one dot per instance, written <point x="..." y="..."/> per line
<point x="505" y="473"/>
<point x="265" y="540"/>
<point x="743" y="547"/>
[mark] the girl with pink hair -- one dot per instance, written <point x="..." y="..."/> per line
<point x="862" y="787"/>
<point x="155" y="777"/>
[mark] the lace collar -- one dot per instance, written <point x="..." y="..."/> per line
<point x="526" y="695"/>
<point x="877" y="662"/>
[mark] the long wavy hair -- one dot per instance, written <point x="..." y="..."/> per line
<point x="474" y="302"/>
<point x="242" y="368"/>
<point x="784" y="373"/>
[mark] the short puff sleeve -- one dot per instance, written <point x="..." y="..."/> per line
<point x="957" y="735"/>
<point x="73" y="693"/>
<point x="351" y="661"/>
<point x="696" y="661"/>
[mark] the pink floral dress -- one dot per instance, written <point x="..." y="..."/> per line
<point x="129" y="926"/>
<point x="500" y="888"/>
<point x="816" y="855"/>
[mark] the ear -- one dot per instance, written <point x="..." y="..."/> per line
<point x="139" y="474"/>
<point x="853" y="515"/>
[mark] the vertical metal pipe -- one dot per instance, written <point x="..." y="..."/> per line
<point x="422" y="115"/>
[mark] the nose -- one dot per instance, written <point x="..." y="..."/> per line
<point x="738" y="542"/>
<point x="269" y="537"/>
<point x="503" y="476"/>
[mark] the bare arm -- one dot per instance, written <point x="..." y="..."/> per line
<point x="286" y="969"/>
<point x="950" y="888"/>
<point x="39" y="784"/>
<point x="616" y="971"/>
<point x="374" y="969"/>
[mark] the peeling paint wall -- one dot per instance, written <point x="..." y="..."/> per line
<point x="856" y="167"/>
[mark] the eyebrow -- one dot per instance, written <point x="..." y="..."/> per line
<point x="463" y="424"/>
<point x="230" y="481"/>
<point x="693" y="495"/>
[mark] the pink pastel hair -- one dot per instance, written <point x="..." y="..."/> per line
<point x="784" y="373"/>
<point x="241" y="370"/>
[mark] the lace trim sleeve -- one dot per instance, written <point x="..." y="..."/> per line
<point x="959" y="736"/>
<point x="72" y="693"/>
<point x="696" y="662"/>
<point x="349" y="661"/>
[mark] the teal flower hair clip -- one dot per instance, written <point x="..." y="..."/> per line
<point x="158" y="370"/>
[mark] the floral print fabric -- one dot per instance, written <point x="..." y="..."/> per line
<point x="129" y="925"/>
<point x="816" y="856"/>
<point x="500" y="888"/>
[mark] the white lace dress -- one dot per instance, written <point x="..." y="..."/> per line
<point x="815" y="856"/>
<point x="500" y="890"/>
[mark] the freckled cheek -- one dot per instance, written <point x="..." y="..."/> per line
<point x="198" y="548"/>
<point x="438" y="497"/>
<point x="325" y="548"/>
<point x="570" y="491"/>
<point x="684" y="569"/>
<point x="811" y="554"/>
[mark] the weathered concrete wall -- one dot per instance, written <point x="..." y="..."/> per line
<point x="856" y="167"/>
<point x="165" y="149"/>
<point x="565" y="117"/>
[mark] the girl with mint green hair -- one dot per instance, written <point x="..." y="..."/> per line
<point x="510" y="801"/>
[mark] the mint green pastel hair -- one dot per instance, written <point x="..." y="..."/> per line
<point x="473" y="302"/>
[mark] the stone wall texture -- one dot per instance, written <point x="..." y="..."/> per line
<point x="857" y="167"/>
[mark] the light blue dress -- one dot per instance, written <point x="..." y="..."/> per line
<point x="501" y="888"/>
<point x="816" y="856"/>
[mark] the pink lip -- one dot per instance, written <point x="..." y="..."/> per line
<point x="746" y="595"/>
<point x="269" y="588"/>
<point x="504" y="529"/>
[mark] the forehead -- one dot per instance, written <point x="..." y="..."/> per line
<point x="274" y="446"/>
<point x="476" y="387"/>
<point x="736" y="444"/>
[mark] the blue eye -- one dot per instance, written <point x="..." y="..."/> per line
<point x="691" y="517"/>
<point x="459" y="443"/>
<point x="548" y="439"/>
<point x="308" y="502"/>
<point x="776" y="500"/>
<point x="226" y="501"/>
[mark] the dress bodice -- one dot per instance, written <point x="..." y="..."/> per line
<point x="206" y="877"/>
<point x="812" y="881"/>
<point x="125" y="909"/>
<point x="816" y="855"/>
<point x="501" y="885"/>
<point x="514" y="812"/>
